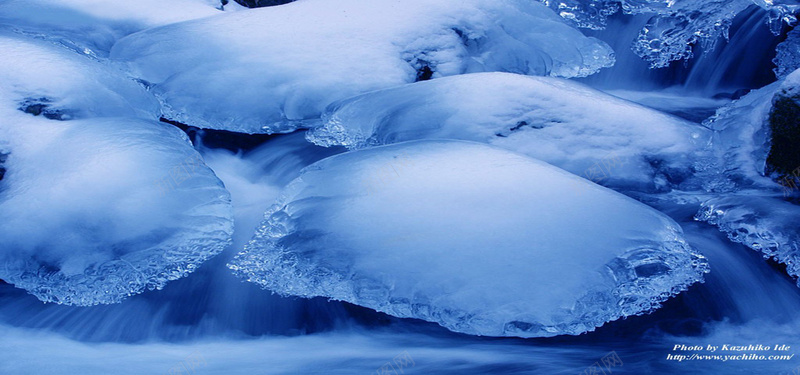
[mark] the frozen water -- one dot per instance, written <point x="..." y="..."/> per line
<point x="471" y="237"/>
<point x="741" y="139"/>
<point x="742" y="135"/>
<point x="100" y="207"/>
<point x="96" y="210"/>
<point x="92" y="26"/>
<point x="601" y="137"/>
<point x="763" y="223"/>
<point x="41" y="78"/>
<point x="752" y="212"/>
<point x="680" y="25"/>
<point x="787" y="57"/>
<point x="269" y="70"/>
<point x="676" y="26"/>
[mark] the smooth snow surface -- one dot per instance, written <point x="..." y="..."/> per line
<point x="275" y="69"/>
<point x="96" y="210"/>
<point x="589" y="133"/>
<point x="471" y="237"/>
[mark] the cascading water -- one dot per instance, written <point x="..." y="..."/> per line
<point x="232" y="325"/>
<point x="692" y="88"/>
<point x="740" y="62"/>
<point x="212" y="322"/>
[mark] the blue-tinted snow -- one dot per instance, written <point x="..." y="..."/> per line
<point x="266" y="71"/>
<point x="600" y="137"/>
<point x="106" y="202"/>
<point x="471" y="237"/>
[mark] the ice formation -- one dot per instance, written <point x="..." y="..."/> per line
<point x="96" y="210"/>
<point x="589" y="133"/>
<point x="754" y="208"/>
<point x="787" y="56"/>
<point x="106" y="202"/>
<point x="742" y="136"/>
<point x="93" y="26"/>
<point x="676" y="26"/>
<point x="264" y="71"/>
<point x="471" y="237"/>
<point x="42" y="78"/>
<point x="765" y="224"/>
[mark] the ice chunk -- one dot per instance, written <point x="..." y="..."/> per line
<point x="787" y="56"/>
<point x="740" y="135"/>
<point x="43" y="79"/>
<point x="97" y="210"/>
<point x="748" y="149"/>
<point x="478" y="239"/>
<point x="680" y="25"/>
<point x="753" y="139"/>
<point x="590" y="14"/>
<point x="763" y="223"/>
<point x="92" y="26"/>
<point x="675" y="26"/>
<point x="605" y="139"/>
<point x="271" y="69"/>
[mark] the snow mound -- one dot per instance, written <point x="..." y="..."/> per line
<point x="477" y="239"/>
<point x="274" y="69"/>
<point x="41" y="78"/>
<point x="97" y="210"/>
<point x="93" y="26"/>
<point x="603" y="138"/>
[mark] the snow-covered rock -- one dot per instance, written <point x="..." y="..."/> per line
<point x="675" y="27"/>
<point x="758" y="174"/>
<point x="92" y="26"/>
<point x="600" y="137"/>
<point x="275" y="69"/>
<point x="96" y="210"/>
<point x="478" y="239"/>
<point x="261" y="3"/>
<point x="42" y="78"/>
<point x="756" y="137"/>
<point x="763" y="223"/>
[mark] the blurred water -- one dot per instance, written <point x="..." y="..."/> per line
<point x="236" y="328"/>
<point x="742" y="62"/>
<point x="213" y="323"/>
<point x="692" y="89"/>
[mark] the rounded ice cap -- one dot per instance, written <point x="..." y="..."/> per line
<point x="477" y="239"/>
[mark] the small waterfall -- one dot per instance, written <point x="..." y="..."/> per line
<point x="742" y="62"/>
<point x="237" y="328"/>
<point x="211" y="301"/>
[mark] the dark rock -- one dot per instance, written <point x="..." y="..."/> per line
<point x="732" y="95"/>
<point x="221" y="138"/>
<point x="260" y="3"/>
<point x="424" y="73"/>
<point x="43" y="107"/>
<point x="784" y="123"/>
<point x="3" y="158"/>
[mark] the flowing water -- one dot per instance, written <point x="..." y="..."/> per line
<point x="213" y="323"/>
